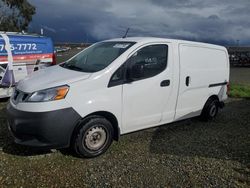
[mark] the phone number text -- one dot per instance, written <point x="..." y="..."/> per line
<point x="20" y="47"/>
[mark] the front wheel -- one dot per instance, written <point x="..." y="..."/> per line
<point x="94" y="137"/>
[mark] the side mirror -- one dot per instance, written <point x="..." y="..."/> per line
<point x="135" y="72"/>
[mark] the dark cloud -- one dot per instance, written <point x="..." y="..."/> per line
<point x="179" y="3"/>
<point x="221" y="22"/>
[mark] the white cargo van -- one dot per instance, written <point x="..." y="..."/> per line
<point x="116" y="87"/>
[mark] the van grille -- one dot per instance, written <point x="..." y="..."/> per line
<point x="19" y="96"/>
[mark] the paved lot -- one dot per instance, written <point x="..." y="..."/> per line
<point x="187" y="153"/>
<point x="63" y="56"/>
<point x="240" y="75"/>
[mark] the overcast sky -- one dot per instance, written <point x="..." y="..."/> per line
<point x="215" y="21"/>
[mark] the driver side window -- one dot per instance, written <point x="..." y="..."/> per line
<point x="148" y="61"/>
<point x="145" y="63"/>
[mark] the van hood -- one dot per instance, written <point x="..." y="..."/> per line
<point x="50" y="77"/>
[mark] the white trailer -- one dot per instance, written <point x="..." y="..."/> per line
<point x="20" y="55"/>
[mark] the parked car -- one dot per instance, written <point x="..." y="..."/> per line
<point x="62" y="49"/>
<point x="20" y="55"/>
<point x="116" y="87"/>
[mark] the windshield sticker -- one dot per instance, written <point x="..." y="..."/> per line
<point x="121" y="46"/>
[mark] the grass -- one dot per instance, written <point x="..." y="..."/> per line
<point x="239" y="91"/>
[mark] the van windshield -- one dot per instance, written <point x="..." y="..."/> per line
<point x="97" y="56"/>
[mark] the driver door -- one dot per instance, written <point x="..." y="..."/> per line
<point x="149" y="88"/>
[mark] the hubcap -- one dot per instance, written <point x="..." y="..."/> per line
<point x="213" y="111"/>
<point x="95" y="138"/>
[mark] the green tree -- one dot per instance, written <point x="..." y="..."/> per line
<point x="15" y="15"/>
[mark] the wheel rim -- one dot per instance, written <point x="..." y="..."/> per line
<point x="95" y="138"/>
<point x="213" y="110"/>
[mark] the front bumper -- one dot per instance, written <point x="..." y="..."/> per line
<point x="51" y="129"/>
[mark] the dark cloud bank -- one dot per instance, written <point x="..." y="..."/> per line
<point x="221" y="22"/>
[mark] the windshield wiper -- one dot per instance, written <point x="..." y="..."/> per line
<point x="72" y="67"/>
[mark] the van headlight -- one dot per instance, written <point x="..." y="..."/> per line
<point x="51" y="94"/>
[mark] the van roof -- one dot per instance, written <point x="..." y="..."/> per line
<point x="155" y="39"/>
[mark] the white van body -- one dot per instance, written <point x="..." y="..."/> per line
<point x="194" y="73"/>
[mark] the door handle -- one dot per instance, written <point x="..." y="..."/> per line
<point x="165" y="83"/>
<point x="187" y="80"/>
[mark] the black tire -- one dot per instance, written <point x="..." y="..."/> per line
<point x="93" y="137"/>
<point x="210" y="109"/>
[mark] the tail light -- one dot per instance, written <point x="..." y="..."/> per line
<point x="53" y="59"/>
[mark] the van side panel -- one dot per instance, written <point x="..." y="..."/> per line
<point x="93" y="96"/>
<point x="207" y="71"/>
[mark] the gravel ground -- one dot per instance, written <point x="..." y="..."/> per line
<point x="182" y="154"/>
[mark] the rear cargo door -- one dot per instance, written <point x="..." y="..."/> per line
<point x="199" y="67"/>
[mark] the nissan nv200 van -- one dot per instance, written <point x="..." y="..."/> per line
<point x="116" y="87"/>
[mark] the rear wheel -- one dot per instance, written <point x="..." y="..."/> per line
<point x="210" y="109"/>
<point x="94" y="137"/>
